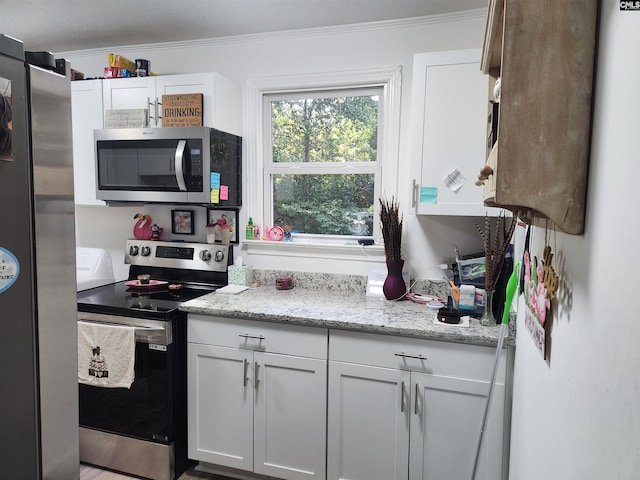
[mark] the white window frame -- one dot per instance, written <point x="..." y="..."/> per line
<point x="389" y="78"/>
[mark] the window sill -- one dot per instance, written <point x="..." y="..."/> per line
<point x="335" y="251"/>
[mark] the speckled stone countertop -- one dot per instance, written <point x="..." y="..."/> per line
<point x="346" y="307"/>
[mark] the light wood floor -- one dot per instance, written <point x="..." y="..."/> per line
<point x="88" y="472"/>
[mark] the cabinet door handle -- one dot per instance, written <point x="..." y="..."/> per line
<point x="414" y="194"/>
<point x="246" y="370"/>
<point x="149" y="109"/>
<point x="158" y="116"/>
<point x="247" y="335"/>
<point x="407" y="355"/>
<point x="155" y="110"/>
<point x="256" y="379"/>
<point x="415" y="405"/>
<point x="402" y="398"/>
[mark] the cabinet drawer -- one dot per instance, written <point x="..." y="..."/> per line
<point x="256" y="335"/>
<point x="404" y="353"/>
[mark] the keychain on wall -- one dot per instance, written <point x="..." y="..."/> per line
<point x="540" y="285"/>
<point x="550" y="279"/>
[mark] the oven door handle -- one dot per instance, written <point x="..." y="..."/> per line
<point x="146" y="331"/>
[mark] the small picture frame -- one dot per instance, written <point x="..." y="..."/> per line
<point x="224" y="216"/>
<point x="182" y="222"/>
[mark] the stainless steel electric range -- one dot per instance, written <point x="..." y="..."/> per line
<point x="142" y="430"/>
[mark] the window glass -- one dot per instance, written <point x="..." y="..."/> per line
<point x="321" y="176"/>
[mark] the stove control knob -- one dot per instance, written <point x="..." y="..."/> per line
<point x="205" y="255"/>
<point x="146" y="251"/>
<point x="133" y="250"/>
<point x="219" y="255"/>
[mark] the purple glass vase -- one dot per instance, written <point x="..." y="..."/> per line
<point x="394" y="287"/>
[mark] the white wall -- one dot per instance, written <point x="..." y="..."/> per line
<point x="577" y="416"/>
<point x="426" y="240"/>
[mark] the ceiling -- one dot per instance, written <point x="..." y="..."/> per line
<point x="68" y="25"/>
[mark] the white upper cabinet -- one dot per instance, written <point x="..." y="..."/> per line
<point x="449" y="125"/>
<point x="86" y="115"/>
<point x="221" y="97"/>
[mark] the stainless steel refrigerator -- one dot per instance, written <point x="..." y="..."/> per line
<point x="38" y="339"/>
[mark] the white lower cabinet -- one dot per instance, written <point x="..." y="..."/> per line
<point x="257" y="396"/>
<point x="445" y="427"/>
<point x="403" y="408"/>
<point x="273" y="400"/>
<point x="367" y="423"/>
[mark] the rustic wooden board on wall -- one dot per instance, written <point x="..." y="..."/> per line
<point x="182" y="110"/>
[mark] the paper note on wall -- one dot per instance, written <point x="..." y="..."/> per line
<point x="428" y="195"/>
<point x="224" y="192"/>
<point x="454" y="180"/>
<point x="215" y="180"/>
<point x="215" y="195"/>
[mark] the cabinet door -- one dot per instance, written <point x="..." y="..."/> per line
<point x="189" y="83"/>
<point x="220" y="405"/>
<point x="449" y="119"/>
<point x="125" y="93"/>
<point x="86" y="115"/>
<point x="368" y="423"/>
<point x="446" y="415"/>
<point x="221" y="97"/>
<point x="130" y="93"/>
<point x="290" y="416"/>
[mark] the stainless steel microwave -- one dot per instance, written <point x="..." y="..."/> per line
<point x="197" y="165"/>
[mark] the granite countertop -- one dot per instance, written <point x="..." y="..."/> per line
<point x="345" y="310"/>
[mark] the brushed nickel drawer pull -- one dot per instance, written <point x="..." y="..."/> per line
<point x="246" y="369"/>
<point x="406" y="355"/>
<point x="247" y="335"/>
<point x="415" y="407"/>
<point x="402" y="398"/>
<point x="255" y="372"/>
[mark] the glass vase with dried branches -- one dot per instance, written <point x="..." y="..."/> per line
<point x="495" y="251"/>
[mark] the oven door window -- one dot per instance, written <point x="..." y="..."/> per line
<point x="142" y="411"/>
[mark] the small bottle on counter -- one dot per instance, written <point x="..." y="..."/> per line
<point x="256" y="232"/>
<point x="249" y="234"/>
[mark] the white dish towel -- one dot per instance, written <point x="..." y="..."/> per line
<point x="106" y="355"/>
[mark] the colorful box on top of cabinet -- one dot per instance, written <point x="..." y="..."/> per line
<point x="182" y="110"/>
<point x="118" y="61"/>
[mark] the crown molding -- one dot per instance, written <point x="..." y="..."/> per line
<point x="287" y="34"/>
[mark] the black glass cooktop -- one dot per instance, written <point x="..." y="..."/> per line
<point x="121" y="299"/>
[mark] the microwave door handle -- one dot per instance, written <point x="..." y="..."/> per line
<point x="179" y="164"/>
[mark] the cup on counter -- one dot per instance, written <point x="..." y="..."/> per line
<point x="284" y="283"/>
<point x="211" y="233"/>
<point x="225" y="234"/>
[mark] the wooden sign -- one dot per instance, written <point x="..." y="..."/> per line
<point x="130" y="118"/>
<point x="182" y="110"/>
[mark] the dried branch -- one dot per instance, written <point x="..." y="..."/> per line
<point x="496" y="251"/>
<point x="391" y="222"/>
